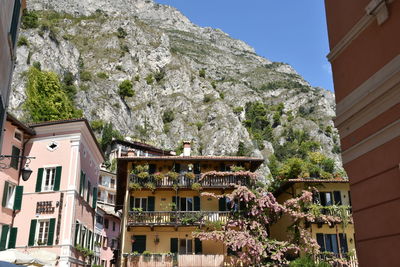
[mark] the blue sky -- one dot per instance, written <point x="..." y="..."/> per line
<point x="290" y="31"/>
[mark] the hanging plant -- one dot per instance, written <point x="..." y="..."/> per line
<point x="197" y="187"/>
<point x="135" y="186"/>
<point x="151" y="186"/>
<point x="190" y="175"/>
<point x="173" y="175"/>
<point x="159" y="176"/>
<point x="143" y="175"/>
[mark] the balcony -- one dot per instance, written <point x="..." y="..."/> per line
<point x="209" y="181"/>
<point x="174" y="218"/>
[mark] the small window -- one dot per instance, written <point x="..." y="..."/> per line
<point x="99" y="219"/>
<point x="18" y="135"/>
<point x="141" y="203"/>
<point x="49" y="175"/>
<point x="185" y="246"/>
<point x="106" y="223"/>
<point x="186" y="204"/>
<point x="112" y="243"/>
<point x="15" y="157"/>
<point x="113" y="228"/>
<point x="9" y="197"/>
<point x="43" y="232"/>
<point x="112" y="183"/>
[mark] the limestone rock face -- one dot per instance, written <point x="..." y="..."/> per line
<point x="200" y="74"/>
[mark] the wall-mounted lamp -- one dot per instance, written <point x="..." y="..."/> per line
<point x="25" y="171"/>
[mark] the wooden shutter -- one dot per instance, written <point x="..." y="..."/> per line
<point x="5" y="192"/>
<point x="140" y="243"/>
<point x="15" y="159"/>
<point x="88" y="192"/>
<point x="222" y="204"/>
<point x="13" y="237"/>
<point x="320" y="241"/>
<point x="150" y="203"/>
<point x="337" y="198"/>
<point x="343" y="243"/>
<point x="196" y="205"/>
<point x="31" y="241"/>
<point x="174" y="245"/>
<point x="76" y="232"/>
<point x="131" y="203"/>
<point x="322" y="197"/>
<point x="94" y="197"/>
<point x="18" y="197"/>
<point x="51" y="232"/>
<point x="39" y="180"/>
<point x="58" y="179"/>
<point x="176" y="201"/>
<point x="3" y="238"/>
<point x="198" y="246"/>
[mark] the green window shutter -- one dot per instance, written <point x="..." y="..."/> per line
<point x="39" y="180"/>
<point x="196" y="201"/>
<point x="150" y="203"/>
<point x="76" y="232"/>
<point x="32" y="230"/>
<point x="18" y="197"/>
<point x="5" y="192"/>
<point x="3" y="238"/>
<point x="88" y="192"/>
<point x="174" y="245"/>
<point x="15" y="160"/>
<point x="94" y="197"/>
<point x="198" y="246"/>
<point x="222" y="204"/>
<point x="81" y="183"/>
<point x="131" y="203"/>
<point x="57" y="181"/>
<point x="13" y="237"/>
<point x="176" y="201"/>
<point x="50" y="238"/>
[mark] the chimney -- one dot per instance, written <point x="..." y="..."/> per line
<point x="186" y="148"/>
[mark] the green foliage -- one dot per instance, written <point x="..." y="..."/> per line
<point x="125" y="89"/>
<point x="121" y="33"/>
<point x="276" y="119"/>
<point x="45" y="98"/>
<point x="208" y="98"/>
<point x="238" y="110"/>
<point x="29" y="19"/>
<point x="86" y="76"/>
<point x="108" y="135"/>
<point x="222" y="95"/>
<point x="287" y="84"/>
<point x="307" y="261"/>
<point x="37" y="65"/>
<point x="137" y="78"/>
<point x="199" y="125"/>
<point x="202" y="73"/>
<point x="197" y="187"/>
<point x="97" y="125"/>
<point x="68" y="85"/>
<point x="102" y="75"/>
<point x="258" y="124"/>
<point x="242" y="150"/>
<point x="159" y="75"/>
<point x="292" y="168"/>
<point x="168" y="116"/>
<point x="179" y="149"/>
<point x="22" y="41"/>
<point x="214" y="84"/>
<point x="119" y="67"/>
<point x="149" y="79"/>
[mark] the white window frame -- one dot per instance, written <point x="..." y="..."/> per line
<point x="141" y="201"/>
<point x="37" y="232"/>
<point x="48" y="188"/>
<point x="186" y="200"/>
<point x="10" y="195"/>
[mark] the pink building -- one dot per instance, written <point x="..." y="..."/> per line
<point x="57" y="213"/>
<point x="15" y="135"/>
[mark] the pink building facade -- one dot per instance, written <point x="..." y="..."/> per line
<point x="11" y="192"/>
<point x="59" y="200"/>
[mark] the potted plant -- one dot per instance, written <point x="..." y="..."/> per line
<point x="146" y="256"/>
<point x="151" y="186"/>
<point x="159" y="176"/>
<point x="173" y="175"/>
<point x="197" y="187"/>
<point x="135" y="186"/>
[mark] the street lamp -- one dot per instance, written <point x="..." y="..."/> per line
<point x="25" y="171"/>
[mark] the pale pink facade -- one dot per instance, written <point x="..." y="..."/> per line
<point x="15" y="135"/>
<point x="59" y="199"/>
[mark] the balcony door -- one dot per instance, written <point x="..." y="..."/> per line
<point x="138" y="243"/>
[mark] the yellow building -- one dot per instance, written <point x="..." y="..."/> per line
<point x="162" y="204"/>
<point x="334" y="198"/>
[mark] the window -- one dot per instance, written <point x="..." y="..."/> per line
<point x="112" y="183"/>
<point x="15" y="21"/>
<point x="331" y="243"/>
<point x="18" y="135"/>
<point x="15" y="157"/>
<point x="49" y="178"/>
<point x="106" y="223"/>
<point x="112" y="243"/>
<point x="185" y="246"/>
<point x="329" y="198"/>
<point x="138" y="243"/>
<point x="113" y="228"/>
<point x="9" y="195"/>
<point x="99" y="219"/>
<point x="100" y="180"/>
<point x="43" y="232"/>
<point x="186" y="204"/>
<point x="141" y="203"/>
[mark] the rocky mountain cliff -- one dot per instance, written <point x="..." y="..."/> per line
<point x="190" y="83"/>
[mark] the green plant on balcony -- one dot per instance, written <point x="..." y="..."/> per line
<point x="235" y="168"/>
<point x="190" y="175"/>
<point x="159" y="176"/>
<point x="97" y="244"/>
<point x="140" y="168"/>
<point x="151" y="186"/>
<point x="41" y="243"/>
<point x="197" y="187"/>
<point x="175" y="187"/>
<point x="143" y="175"/>
<point x="191" y="218"/>
<point x="135" y="186"/>
<point x="146" y="256"/>
<point x="213" y="225"/>
<point x="173" y="175"/>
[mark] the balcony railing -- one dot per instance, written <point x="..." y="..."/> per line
<point x="154" y="218"/>
<point x="205" y="182"/>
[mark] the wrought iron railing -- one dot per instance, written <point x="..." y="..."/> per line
<point x="183" y="181"/>
<point x="176" y="217"/>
